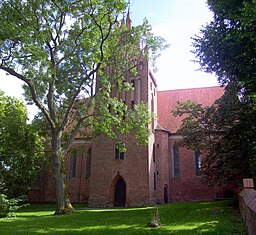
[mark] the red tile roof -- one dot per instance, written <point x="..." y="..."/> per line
<point x="167" y="101"/>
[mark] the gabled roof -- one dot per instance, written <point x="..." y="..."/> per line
<point x="167" y="101"/>
<point x="160" y="128"/>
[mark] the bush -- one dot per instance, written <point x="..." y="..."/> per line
<point x="9" y="206"/>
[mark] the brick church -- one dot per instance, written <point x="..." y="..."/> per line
<point x="159" y="172"/>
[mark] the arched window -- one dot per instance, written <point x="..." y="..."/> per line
<point x="154" y="152"/>
<point x="154" y="181"/>
<point x="198" y="162"/>
<point x="119" y="151"/>
<point x="140" y="66"/>
<point x="139" y="90"/>
<point x="176" y="160"/>
<point x="152" y="103"/>
<point x="117" y="90"/>
<point x="132" y="104"/>
<point x="88" y="163"/>
<point x="123" y="91"/>
<point x="152" y="110"/>
<point x="132" y="91"/>
<point x="73" y="164"/>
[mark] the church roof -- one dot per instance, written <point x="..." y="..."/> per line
<point x="167" y="101"/>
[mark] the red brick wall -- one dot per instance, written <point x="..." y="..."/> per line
<point x="163" y="164"/>
<point x="106" y="169"/>
<point x="247" y="204"/>
<point x="187" y="186"/>
<point x="78" y="186"/>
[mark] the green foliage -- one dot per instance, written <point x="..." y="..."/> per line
<point x="62" y="51"/>
<point x="8" y="207"/>
<point x="57" y="48"/>
<point x="21" y="148"/>
<point x="226" y="47"/>
<point x="225" y="132"/>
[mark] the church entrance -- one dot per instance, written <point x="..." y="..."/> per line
<point x="166" y="194"/>
<point x="120" y="193"/>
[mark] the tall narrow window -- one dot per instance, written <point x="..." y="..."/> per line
<point x="140" y="65"/>
<point x="88" y="163"/>
<point x="119" y="152"/>
<point x="124" y="110"/>
<point x="133" y="89"/>
<point x="198" y="162"/>
<point x="154" y="152"/>
<point x="176" y="160"/>
<point x="154" y="181"/>
<point x="73" y="165"/>
<point x="152" y="104"/>
<point x="152" y="110"/>
<point x="139" y="91"/>
<point x="132" y="104"/>
<point x="123" y="91"/>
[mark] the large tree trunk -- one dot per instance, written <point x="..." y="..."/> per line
<point x="62" y="200"/>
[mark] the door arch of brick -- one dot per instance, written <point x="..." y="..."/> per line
<point x="118" y="191"/>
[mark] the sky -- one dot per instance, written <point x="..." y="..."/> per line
<point x="176" y="21"/>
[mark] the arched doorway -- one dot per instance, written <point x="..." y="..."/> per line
<point x="120" y="193"/>
<point x="166" y="194"/>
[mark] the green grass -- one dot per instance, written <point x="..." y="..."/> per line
<point x="218" y="217"/>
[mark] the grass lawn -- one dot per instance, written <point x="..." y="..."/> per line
<point x="218" y="217"/>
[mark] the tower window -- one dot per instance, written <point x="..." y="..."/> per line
<point x="139" y="90"/>
<point x="123" y="91"/>
<point x="119" y="151"/>
<point x="132" y="104"/>
<point x="133" y="83"/>
<point x="154" y="152"/>
<point x="141" y="66"/>
<point x="133" y="89"/>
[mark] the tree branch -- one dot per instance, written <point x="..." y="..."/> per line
<point x="33" y="92"/>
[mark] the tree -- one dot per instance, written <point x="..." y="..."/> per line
<point x="60" y="49"/>
<point x="21" y="148"/>
<point x="225" y="133"/>
<point x="226" y="46"/>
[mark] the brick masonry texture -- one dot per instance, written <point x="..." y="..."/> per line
<point x="247" y="205"/>
<point x="146" y="172"/>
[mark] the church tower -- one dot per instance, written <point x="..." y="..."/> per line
<point x="126" y="179"/>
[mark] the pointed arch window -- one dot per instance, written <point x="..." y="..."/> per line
<point x="176" y="160"/>
<point x="139" y="90"/>
<point x="119" y="151"/>
<point x="123" y="91"/>
<point x="132" y="92"/>
<point x="88" y="163"/>
<point x="198" y="163"/>
<point x="73" y="164"/>
<point x="154" y="181"/>
<point x="154" y="152"/>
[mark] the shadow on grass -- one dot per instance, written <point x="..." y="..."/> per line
<point x="176" y="218"/>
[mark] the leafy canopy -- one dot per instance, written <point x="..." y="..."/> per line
<point x="225" y="133"/>
<point x="21" y="148"/>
